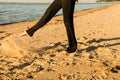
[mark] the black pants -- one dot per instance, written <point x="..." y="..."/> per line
<point x="68" y="9"/>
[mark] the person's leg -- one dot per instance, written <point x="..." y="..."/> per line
<point x="50" y="12"/>
<point x="68" y="9"/>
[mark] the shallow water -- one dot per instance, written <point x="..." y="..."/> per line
<point x="18" y="12"/>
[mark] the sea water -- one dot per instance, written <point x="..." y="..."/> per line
<point x="18" y="12"/>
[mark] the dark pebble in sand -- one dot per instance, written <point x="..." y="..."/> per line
<point x="52" y="55"/>
<point x="69" y="77"/>
<point x="76" y="55"/>
<point x="91" y="57"/>
<point x="41" y="68"/>
<point x="29" y="76"/>
<point x="1" y="68"/>
<point x="105" y="63"/>
<point x="114" y="70"/>
<point x="85" y="37"/>
<point x="73" y="63"/>
<point x="50" y="70"/>
<point x="118" y="67"/>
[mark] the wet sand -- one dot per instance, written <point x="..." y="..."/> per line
<point x="43" y="56"/>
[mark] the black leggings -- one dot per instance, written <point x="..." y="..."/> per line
<point x="68" y="9"/>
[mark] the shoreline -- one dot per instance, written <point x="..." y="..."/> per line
<point x="82" y="11"/>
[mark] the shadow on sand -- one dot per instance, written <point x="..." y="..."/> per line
<point x="92" y="48"/>
<point x="88" y="49"/>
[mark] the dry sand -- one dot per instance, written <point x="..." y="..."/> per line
<point x="43" y="56"/>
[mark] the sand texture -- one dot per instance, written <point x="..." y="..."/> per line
<point x="43" y="56"/>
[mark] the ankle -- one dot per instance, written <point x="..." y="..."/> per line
<point x="72" y="48"/>
<point x="30" y="33"/>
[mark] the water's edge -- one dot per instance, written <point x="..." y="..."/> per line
<point x="78" y="7"/>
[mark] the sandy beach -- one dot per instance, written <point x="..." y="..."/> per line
<point x="43" y="56"/>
